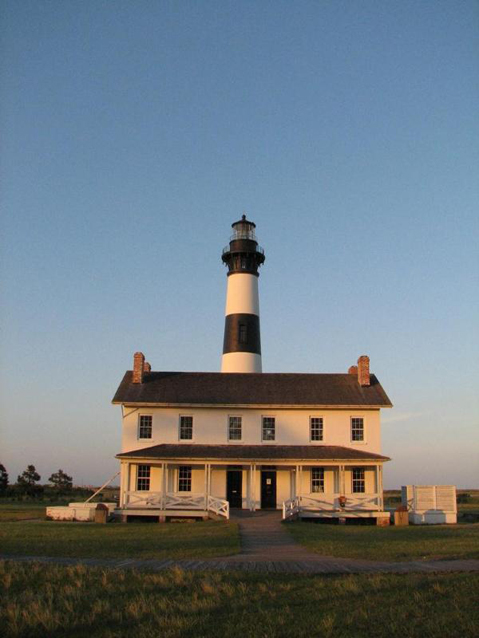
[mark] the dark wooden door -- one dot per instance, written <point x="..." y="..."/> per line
<point x="268" y="489"/>
<point x="234" y="488"/>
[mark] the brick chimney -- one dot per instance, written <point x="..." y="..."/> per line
<point x="138" y="367"/>
<point x="146" y="367"/>
<point x="363" y="370"/>
<point x="353" y="370"/>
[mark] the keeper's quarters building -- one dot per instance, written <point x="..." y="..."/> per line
<point x="200" y="443"/>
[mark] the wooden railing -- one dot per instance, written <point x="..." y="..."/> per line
<point x="291" y="508"/>
<point x="330" y="502"/>
<point x="219" y="506"/>
<point x="177" y="501"/>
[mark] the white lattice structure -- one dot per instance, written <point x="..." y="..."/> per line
<point x="430" y="504"/>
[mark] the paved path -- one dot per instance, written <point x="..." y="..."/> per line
<point x="266" y="547"/>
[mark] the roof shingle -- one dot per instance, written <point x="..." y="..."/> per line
<point x="280" y="389"/>
<point x="253" y="452"/>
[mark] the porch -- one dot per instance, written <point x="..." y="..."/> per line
<point x="192" y="488"/>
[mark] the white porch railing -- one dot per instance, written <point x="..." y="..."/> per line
<point x="291" y="508"/>
<point x="176" y="501"/>
<point x="330" y="502"/>
<point x="219" y="506"/>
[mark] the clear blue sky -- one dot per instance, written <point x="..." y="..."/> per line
<point x="135" y="133"/>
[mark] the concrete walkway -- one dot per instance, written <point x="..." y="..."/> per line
<point x="267" y="547"/>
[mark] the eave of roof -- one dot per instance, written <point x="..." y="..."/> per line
<point x="252" y="453"/>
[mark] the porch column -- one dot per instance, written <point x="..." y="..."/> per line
<point x="380" y="489"/>
<point x="206" y="486"/>
<point x="250" y="487"/>
<point x="342" y="481"/>
<point x="165" y="485"/>
<point x="299" y="480"/>
<point x="124" y="483"/>
<point x="254" y="487"/>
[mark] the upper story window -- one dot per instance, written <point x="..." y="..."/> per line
<point x="316" y="428"/>
<point x="143" y="478"/>
<point x="317" y="479"/>
<point x="145" y="423"/>
<point x="186" y="428"/>
<point x="234" y="428"/>
<point x="357" y="429"/>
<point x="243" y="333"/>
<point x="359" y="484"/>
<point x="269" y="428"/>
<point x="184" y="478"/>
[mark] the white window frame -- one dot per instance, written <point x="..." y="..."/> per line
<point x="140" y="416"/>
<point x="263" y="417"/>
<point x="189" y="478"/>
<point x="360" y="480"/>
<point x="355" y="441"/>
<point x="315" y="416"/>
<point x="187" y="416"/>
<point x="320" y="479"/>
<point x="228" y="425"/>
<point x="143" y="478"/>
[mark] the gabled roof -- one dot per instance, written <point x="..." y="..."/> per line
<point x="251" y="389"/>
<point x="252" y="452"/>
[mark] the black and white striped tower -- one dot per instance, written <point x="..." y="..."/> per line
<point x="242" y="343"/>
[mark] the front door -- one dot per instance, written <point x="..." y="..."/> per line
<point x="234" y="488"/>
<point x="268" y="489"/>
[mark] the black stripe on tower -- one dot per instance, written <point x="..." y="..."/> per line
<point x="242" y="334"/>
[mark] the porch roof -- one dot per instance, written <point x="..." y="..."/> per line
<point x="252" y="453"/>
<point x="251" y="389"/>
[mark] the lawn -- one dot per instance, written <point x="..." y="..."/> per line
<point x="205" y="539"/>
<point x="46" y="600"/>
<point x="18" y="511"/>
<point x="418" y="542"/>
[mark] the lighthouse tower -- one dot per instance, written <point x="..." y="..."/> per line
<point x="242" y="344"/>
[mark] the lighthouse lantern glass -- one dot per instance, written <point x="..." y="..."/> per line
<point x="244" y="230"/>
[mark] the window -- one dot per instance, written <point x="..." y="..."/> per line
<point x="143" y="478"/>
<point x="358" y="480"/>
<point x="234" y="428"/>
<point x="316" y="428"/>
<point x="184" y="478"/>
<point x="357" y="429"/>
<point x="317" y="479"/>
<point x="269" y="426"/>
<point x="243" y="333"/>
<point x="186" y="427"/>
<point x="145" y="426"/>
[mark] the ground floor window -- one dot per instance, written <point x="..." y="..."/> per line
<point x="184" y="478"/>
<point x="359" y="485"/>
<point x="143" y="478"/>
<point x="317" y="479"/>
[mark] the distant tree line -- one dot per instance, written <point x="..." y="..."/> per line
<point x="28" y="484"/>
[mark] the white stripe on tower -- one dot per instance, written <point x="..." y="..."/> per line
<point x="242" y="343"/>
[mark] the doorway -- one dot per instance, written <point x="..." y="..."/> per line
<point x="234" y="488"/>
<point x="268" y="489"/>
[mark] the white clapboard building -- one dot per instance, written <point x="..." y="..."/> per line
<point x="200" y="443"/>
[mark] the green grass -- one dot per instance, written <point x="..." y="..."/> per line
<point x="136" y="540"/>
<point x="418" y="542"/>
<point x="74" y="602"/>
<point x="18" y="511"/>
